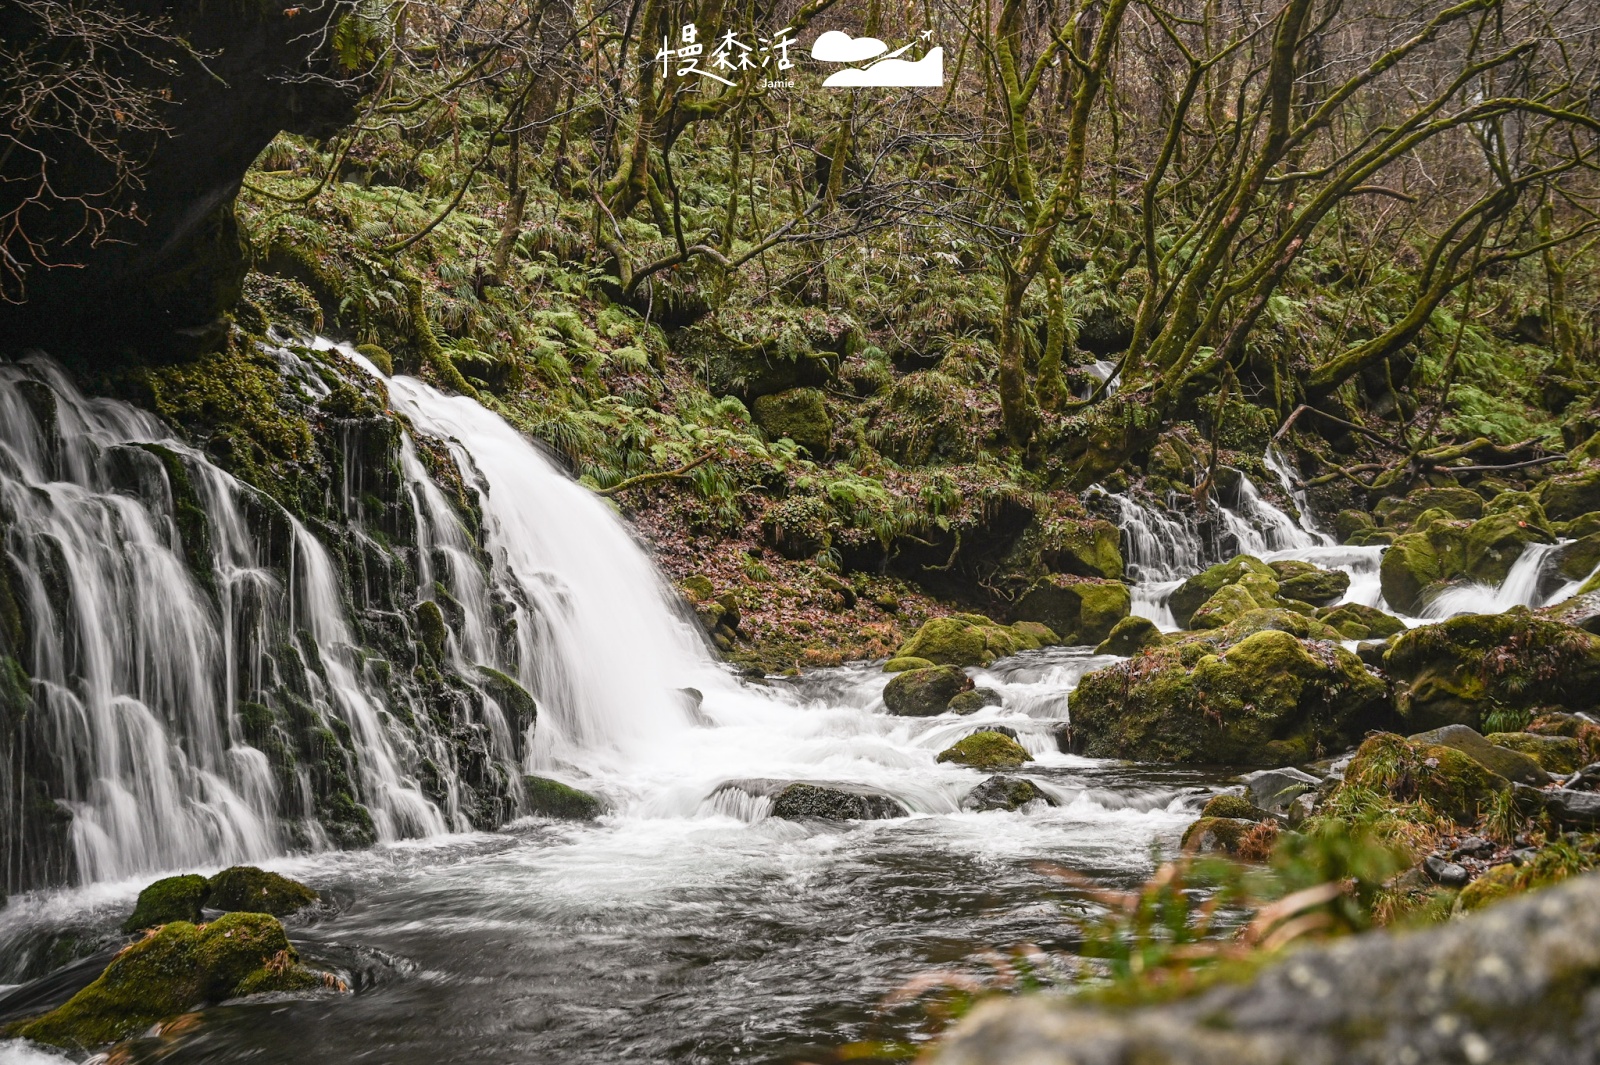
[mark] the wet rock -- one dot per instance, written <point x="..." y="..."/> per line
<point x="1495" y="884"/>
<point x="1572" y="809"/>
<point x="171" y="971"/>
<point x="1080" y="610"/>
<point x="1585" y="779"/>
<point x="1308" y="583"/>
<point x="1495" y="542"/>
<point x="903" y="663"/>
<point x="551" y="798"/>
<point x="1502" y="761"/>
<point x="246" y="888"/>
<point x="1130" y="636"/>
<point x="1457" y="671"/>
<point x="1217" y="835"/>
<point x="1473" y="847"/>
<point x="1463" y="991"/>
<point x="1445" y="873"/>
<point x="1571" y="495"/>
<point x="986" y="749"/>
<point x="1267" y="700"/>
<point x="1274" y="789"/>
<point x="1004" y="793"/>
<point x="1085" y="548"/>
<point x="1419" y="562"/>
<point x="1235" y="807"/>
<point x="1451" y="782"/>
<point x="1460" y="503"/>
<point x="968" y="702"/>
<point x="174" y="898"/>
<point x="924" y="692"/>
<point x="966" y="640"/>
<point x="692" y="700"/>
<point x="1356" y="622"/>
<point x="813" y="802"/>
<point x="1193" y="593"/>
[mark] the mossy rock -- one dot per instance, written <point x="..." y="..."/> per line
<point x="1303" y="625"/>
<point x="924" y="692"/>
<point x="379" y="356"/>
<point x="814" y="802"/>
<point x="1554" y="754"/>
<point x="1569" y="495"/>
<point x="986" y="750"/>
<point x="1500" y="881"/>
<point x="1578" y="528"/>
<point x="1080" y="610"/>
<point x="970" y="702"/>
<point x="1270" y="699"/>
<point x="1579" y="559"/>
<point x="1193" y="593"/>
<point x="1130" y="636"/>
<point x="519" y="706"/>
<point x="1091" y="548"/>
<point x="1395" y="512"/>
<point x="432" y="633"/>
<point x="246" y="888"/>
<point x="551" y="798"/>
<point x="1349" y="523"/>
<point x="965" y="640"/>
<point x="801" y="414"/>
<point x="1319" y="587"/>
<point x="1418" y="562"/>
<point x="1501" y="761"/>
<point x="1001" y="792"/>
<point x="1495" y="542"/>
<point x="1216" y="835"/>
<point x="1038" y="631"/>
<point x="1459" y="670"/>
<point x="1451" y="783"/>
<point x="902" y="663"/>
<point x="1461" y="503"/>
<point x="1355" y="621"/>
<point x="698" y="587"/>
<point x="1586" y="732"/>
<point x="173" y="898"/>
<point x="171" y="971"/>
<point x="1233" y="806"/>
<point x="1233" y="601"/>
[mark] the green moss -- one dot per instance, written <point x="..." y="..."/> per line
<point x="1080" y="610"/>
<point x="1212" y="834"/>
<point x="194" y="529"/>
<point x="901" y="663"/>
<point x="171" y="971"/>
<point x="1085" y="548"/>
<point x="246" y="888"/>
<point x="1356" y="622"/>
<point x="1418" y="561"/>
<point x="924" y="692"/>
<point x="1235" y="806"/>
<point x="1495" y="542"/>
<point x="432" y="633"/>
<point x="1498" y="883"/>
<point x="965" y="640"/>
<point x="1555" y="754"/>
<point x="986" y="750"/>
<point x="1194" y="593"/>
<point x="551" y="798"/>
<point x="1130" y="636"/>
<point x="699" y="587"/>
<point x="799" y="414"/>
<point x="1443" y="778"/>
<point x="513" y="698"/>
<point x="175" y="898"/>
<point x="1568" y="496"/>
<point x="379" y="356"/>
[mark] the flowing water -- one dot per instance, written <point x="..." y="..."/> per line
<point x="686" y="925"/>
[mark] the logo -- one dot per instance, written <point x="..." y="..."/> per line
<point x="886" y="71"/>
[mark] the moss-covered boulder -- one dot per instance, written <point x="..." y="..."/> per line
<point x="1500" y="881"/>
<point x="1086" y="548"/>
<point x="551" y="798"/>
<point x="1308" y="583"/>
<point x="1572" y="726"/>
<point x="172" y="970"/>
<point x="1304" y="626"/>
<point x="1459" y="670"/>
<point x="1495" y="542"/>
<point x="815" y="802"/>
<point x="1418" y="562"/>
<point x="173" y="898"/>
<point x="1194" y="593"/>
<point x="1230" y="603"/>
<point x="1580" y="558"/>
<point x="1501" y="761"/>
<point x="1357" y="622"/>
<point x="1078" y="609"/>
<point x="1217" y="835"/>
<point x="1271" y="699"/>
<point x="1233" y="806"/>
<point x="986" y="750"/>
<point x="1130" y="636"/>
<point x="1449" y="782"/>
<point x="973" y="700"/>
<point x="1462" y="503"/>
<point x="1554" y="754"/>
<point x="246" y="888"/>
<point x="801" y="414"/>
<point x="924" y="692"/>
<point x="966" y="640"/>
<point x="903" y="662"/>
<point x="1001" y="792"/>
<point x="1570" y="495"/>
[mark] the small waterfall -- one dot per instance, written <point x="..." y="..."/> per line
<point x="1522" y="585"/>
<point x="1278" y="463"/>
<point x="1102" y="370"/>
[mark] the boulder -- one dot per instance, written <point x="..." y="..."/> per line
<point x="1193" y="593"/>
<point x="1577" y="560"/>
<point x="174" y="898"/>
<point x="1319" y="587"/>
<point x="1496" y="541"/>
<point x="1501" y="761"/>
<point x="1268" y="700"/>
<point x="1235" y="807"/>
<point x="1444" y="872"/>
<point x="1554" y="754"/>
<point x="1091" y="548"/>
<point x="1571" y="808"/>
<point x="551" y="798"/>
<point x="1079" y="610"/>
<point x="1004" y="793"/>
<point x="1273" y="790"/>
<point x="976" y="699"/>
<point x="903" y="663"/>
<point x="1483" y="989"/>
<point x="1354" y="621"/>
<point x="1496" y="883"/>
<point x="924" y="692"/>
<point x="1217" y="835"/>
<point x="1457" y="671"/>
<point x="1450" y="782"/>
<point x="1460" y="503"/>
<point x="1570" y="495"/>
<point x="986" y="749"/>
<point x="1130" y="636"/>
<point x="1418" y="562"/>
<point x="799" y="414"/>
<point x="246" y="888"/>
<point x="1230" y="603"/>
<point x="172" y="970"/>
<point x="814" y="802"/>
<point x="966" y="640"/>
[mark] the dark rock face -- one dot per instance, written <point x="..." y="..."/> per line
<point x="812" y="802"/>
<point x="1478" y="990"/>
<point x="1001" y="792"/>
<point x="925" y="692"/>
<point x="160" y="284"/>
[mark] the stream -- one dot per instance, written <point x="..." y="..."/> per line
<point x="686" y="925"/>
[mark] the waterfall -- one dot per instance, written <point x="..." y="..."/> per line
<point x="1522" y="585"/>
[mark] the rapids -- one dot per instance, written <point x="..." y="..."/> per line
<point x="686" y="925"/>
